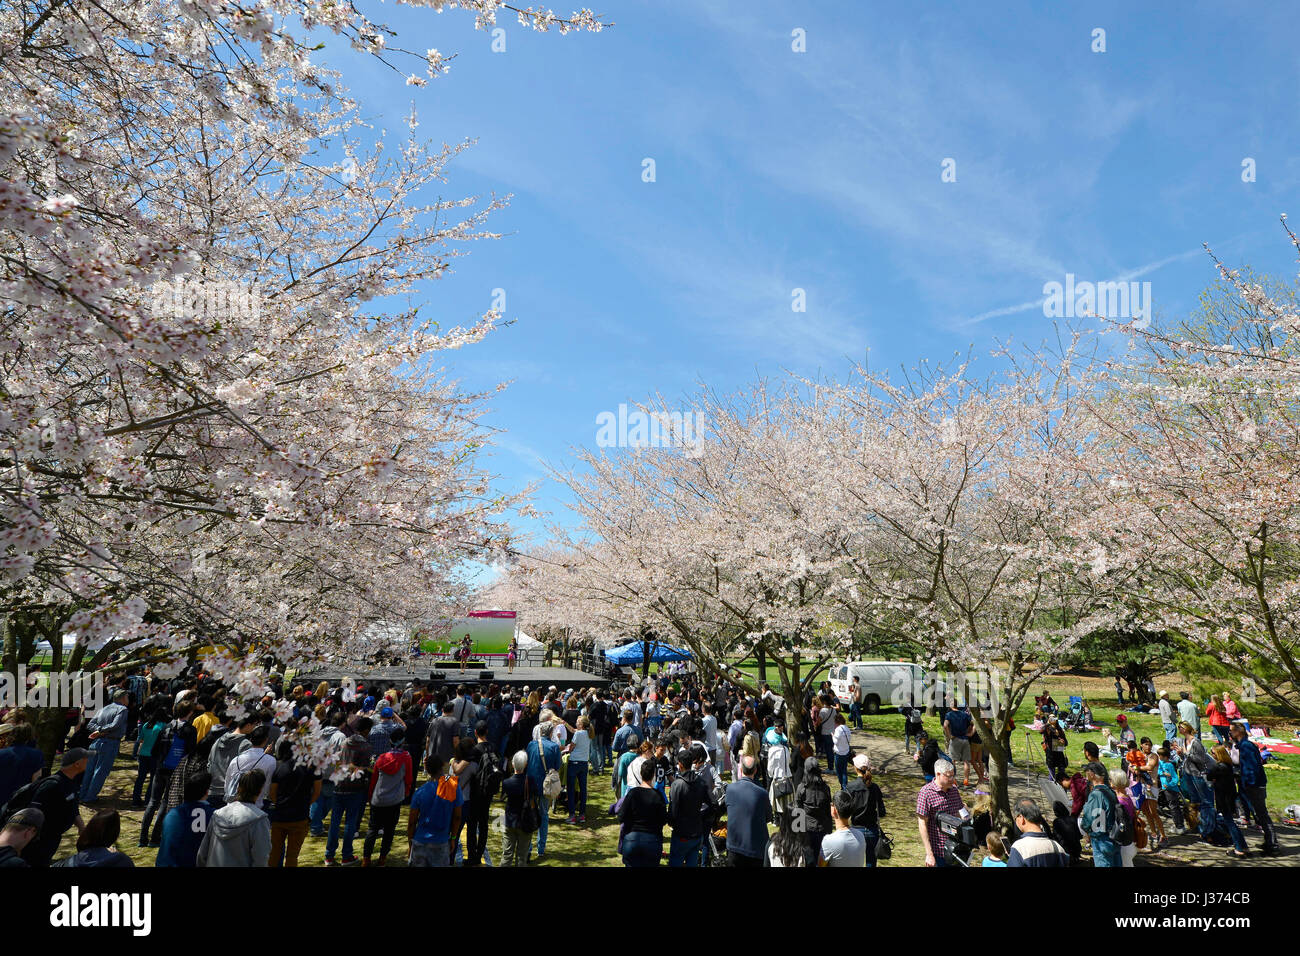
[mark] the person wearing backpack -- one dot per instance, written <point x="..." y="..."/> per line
<point x="1128" y="834"/>
<point x="54" y="796"/>
<point x="390" y="785"/>
<point x="350" y="793"/>
<point x="225" y="749"/>
<point x="544" y="772"/>
<point x="175" y="755"/>
<point x="1099" y="819"/>
<point x="484" y="786"/>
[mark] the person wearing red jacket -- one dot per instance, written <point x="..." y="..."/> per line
<point x="390" y="787"/>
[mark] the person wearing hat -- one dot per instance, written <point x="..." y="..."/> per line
<point x="19" y="830"/>
<point x="1167" y="716"/>
<point x="868" y="804"/>
<point x="57" y="798"/>
<point x="1126" y="733"/>
<point x="1097" y="820"/>
<point x="812" y="803"/>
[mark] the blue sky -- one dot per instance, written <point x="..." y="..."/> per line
<point x="821" y="170"/>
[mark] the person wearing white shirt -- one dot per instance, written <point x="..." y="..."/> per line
<point x="254" y="758"/>
<point x="840" y="748"/>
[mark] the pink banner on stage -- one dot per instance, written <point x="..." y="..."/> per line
<point x="491" y="613"/>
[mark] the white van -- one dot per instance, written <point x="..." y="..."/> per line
<point x="884" y="684"/>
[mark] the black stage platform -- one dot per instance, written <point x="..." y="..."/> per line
<point x="532" y="677"/>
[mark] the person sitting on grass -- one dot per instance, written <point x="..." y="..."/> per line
<point x="95" y="843"/>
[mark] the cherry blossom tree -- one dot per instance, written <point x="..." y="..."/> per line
<point x="1201" y="478"/>
<point x="219" y="437"/>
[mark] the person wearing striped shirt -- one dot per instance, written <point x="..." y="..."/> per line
<point x="1035" y="847"/>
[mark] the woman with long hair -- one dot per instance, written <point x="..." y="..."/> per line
<point x="787" y="847"/>
<point x="1224" y="783"/>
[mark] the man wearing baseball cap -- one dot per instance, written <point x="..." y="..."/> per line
<point x="20" y="829"/>
<point x="57" y="798"/>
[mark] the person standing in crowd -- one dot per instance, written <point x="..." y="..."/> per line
<point x="1224" y="784"/>
<point x="226" y="749"/>
<point x="15" y="836"/>
<point x="517" y="792"/>
<point x="642" y="816"/>
<point x="1119" y="782"/>
<point x="434" y="816"/>
<point x="846" y="845"/>
<point x="1167" y="717"/>
<point x="107" y="728"/>
<point x="855" y="703"/>
<point x="579" y="754"/>
<point x="940" y="795"/>
<point x="1098" y="819"/>
<point x="294" y="787"/>
<point x="748" y="811"/>
<point x="390" y="785"/>
<point x="56" y="797"/>
<point x="841" y="749"/>
<point x="812" y="806"/>
<point x="957" y="727"/>
<point x="185" y="826"/>
<point x="256" y="756"/>
<point x="350" y="792"/>
<point x="1054" y="748"/>
<point x="1034" y="848"/>
<point x="1187" y="712"/>
<point x="1254" y="784"/>
<point x="1196" y="764"/>
<point x="1218" y="719"/>
<point x="239" y="834"/>
<point x="688" y="798"/>
<point x="868" y="805"/>
<point x="21" y="761"/>
<point x="483" y="788"/>
<point x="146" y="757"/>
<point x="543" y="757"/>
<point x="176" y="761"/>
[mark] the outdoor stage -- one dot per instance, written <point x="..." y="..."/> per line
<point x="531" y="677"/>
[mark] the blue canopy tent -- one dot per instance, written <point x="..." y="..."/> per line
<point x="633" y="655"/>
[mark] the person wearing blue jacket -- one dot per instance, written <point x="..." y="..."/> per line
<point x="1097" y="819"/>
<point x="184" y="826"/>
<point x="543" y="755"/>
<point x="1254" y="785"/>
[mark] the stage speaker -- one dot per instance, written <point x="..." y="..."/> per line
<point x="485" y="675"/>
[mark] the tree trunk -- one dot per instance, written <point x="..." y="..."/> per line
<point x="762" y="665"/>
<point x="645" y="657"/>
<point x="999" y="780"/>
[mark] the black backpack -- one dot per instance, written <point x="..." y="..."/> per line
<point x="487" y="781"/>
<point x="21" y="799"/>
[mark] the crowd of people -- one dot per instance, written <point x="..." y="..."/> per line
<point x="701" y="773"/>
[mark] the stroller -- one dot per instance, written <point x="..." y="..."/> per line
<point x="1077" y="717"/>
